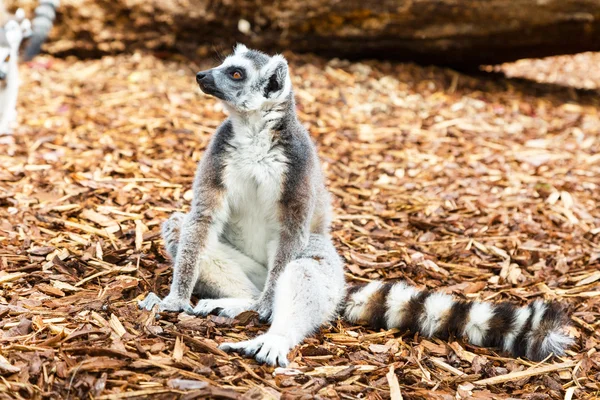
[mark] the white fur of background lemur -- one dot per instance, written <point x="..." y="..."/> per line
<point x="11" y="35"/>
<point x="257" y="237"/>
<point x="15" y="28"/>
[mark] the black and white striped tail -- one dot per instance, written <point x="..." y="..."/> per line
<point x="534" y="331"/>
<point x="42" y="23"/>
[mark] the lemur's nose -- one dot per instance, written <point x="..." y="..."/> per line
<point x="201" y="75"/>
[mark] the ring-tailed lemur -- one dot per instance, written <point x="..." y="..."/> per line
<point x="257" y="237"/>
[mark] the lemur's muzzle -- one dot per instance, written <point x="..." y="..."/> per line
<point x="206" y="81"/>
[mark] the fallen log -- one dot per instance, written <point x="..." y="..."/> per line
<point x="450" y="32"/>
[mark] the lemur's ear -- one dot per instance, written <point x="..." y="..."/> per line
<point x="240" y="49"/>
<point x="278" y="81"/>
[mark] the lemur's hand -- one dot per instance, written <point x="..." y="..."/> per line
<point x="169" y="303"/>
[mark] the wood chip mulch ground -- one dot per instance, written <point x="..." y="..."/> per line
<point x="484" y="186"/>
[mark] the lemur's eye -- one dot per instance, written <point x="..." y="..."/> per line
<point x="237" y="75"/>
<point x="7" y="59"/>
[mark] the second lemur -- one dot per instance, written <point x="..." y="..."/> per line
<point x="257" y="237"/>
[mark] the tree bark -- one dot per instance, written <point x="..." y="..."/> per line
<point x="454" y="32"/>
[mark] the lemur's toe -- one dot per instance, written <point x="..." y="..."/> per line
<point x="283" y="361"/>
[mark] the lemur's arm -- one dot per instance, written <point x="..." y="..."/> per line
<point x="201" y="225"/>
<point x="296" y="208"/>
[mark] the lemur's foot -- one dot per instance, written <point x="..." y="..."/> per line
<point x="268" y="349"/>
<point x="229" y="308"/>
<point x="169" y="303"/>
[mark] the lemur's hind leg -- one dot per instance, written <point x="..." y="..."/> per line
<point x="223" y="272"/>
<point x="307" y="295"/>
<point x="209" y="283"/>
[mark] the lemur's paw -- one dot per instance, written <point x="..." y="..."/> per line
<point x="229" y="308"/>
<point x="267" y="349"/>
<point x="149" y="302"/>
<point x="169" y="303"/>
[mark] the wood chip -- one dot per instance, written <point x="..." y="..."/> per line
<point x="116" y="325"/>
<point x="394" y="385"/>
<point x="525" y="374"/>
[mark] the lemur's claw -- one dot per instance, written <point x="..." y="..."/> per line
<point x="267" y="349"/>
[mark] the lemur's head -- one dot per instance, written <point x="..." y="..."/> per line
<point x="248" y="80"/>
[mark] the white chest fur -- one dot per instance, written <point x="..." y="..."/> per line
<point x="253" y="175"/>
